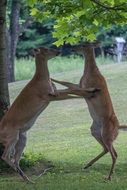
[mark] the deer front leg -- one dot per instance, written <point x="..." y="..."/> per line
<point x="76" y="90"/>
<point x="67" y="84"/>
<point x="64" y="94"/>
<point x="74" y="93"/>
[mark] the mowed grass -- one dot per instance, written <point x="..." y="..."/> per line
<point x="24" y="68"/>
<point x="61" y="136"/>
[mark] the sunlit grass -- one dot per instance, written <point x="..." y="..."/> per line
<point x="24" y="68"/>
<point x="61" y="136"/>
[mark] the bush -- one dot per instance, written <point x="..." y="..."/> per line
<point x="28" y="161"/>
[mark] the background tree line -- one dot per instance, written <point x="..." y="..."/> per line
<point x="25" y="33"/>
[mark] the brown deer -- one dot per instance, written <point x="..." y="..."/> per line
<point x="105" y="123"/>
<point x="32" y="100"/>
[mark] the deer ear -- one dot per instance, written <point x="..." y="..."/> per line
<point x="37" y="50"/>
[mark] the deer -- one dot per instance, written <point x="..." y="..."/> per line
<point x="105" y="124"/>
<point x="32" y="100"/>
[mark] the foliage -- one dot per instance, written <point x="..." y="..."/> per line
<point x="31" y="33"/>
<point x="34" y="33"/>
<point x="107" y="36"/>
<point x="32" y="37"/>
<point x="28" y="161"/>
<point x="77" y="20"/>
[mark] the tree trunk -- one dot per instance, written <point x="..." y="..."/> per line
<point x="8" y="55"/>
<point x="4" y="93"/>
<point x="12" y="38"/>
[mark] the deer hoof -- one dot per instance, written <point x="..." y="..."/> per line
<point x="108" y="178"/>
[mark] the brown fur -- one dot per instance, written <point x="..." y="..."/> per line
<point x="105" y="123"/>
<point x="32" y="100"/>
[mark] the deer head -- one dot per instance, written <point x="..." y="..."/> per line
<point x="85" y="46"/>
<point x="46" y="53"/>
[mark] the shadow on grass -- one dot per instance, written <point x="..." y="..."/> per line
<point x="120" y="168"/>
<point x="34" y="164"/>
<point x="98" y="168"/>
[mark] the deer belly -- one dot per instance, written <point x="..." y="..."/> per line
<point x="28" y="125"/>
<point x="93" y="112"/>
<point x="31" y="122"/>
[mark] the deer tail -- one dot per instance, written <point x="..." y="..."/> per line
<point x="123" y="127"/>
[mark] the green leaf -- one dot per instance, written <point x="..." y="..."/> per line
<point x="34" y="11"/>
<point x="76" y="19"/>
<point x="91" y="37"/>
<point x="59" y="42"/>
<point x="31" y="2"/>
<point x="112" y="2"/>
<point x="95" y="22"/>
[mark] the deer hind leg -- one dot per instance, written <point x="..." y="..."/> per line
<point x="19" y="147"/>
<point x="113" y="153"/>
<point x="6" y="156"/>
<point x="105" y="151"/>
<point x="96" y="132"/>
<point x="9" y="145"/>
<point x="109" y="134"/>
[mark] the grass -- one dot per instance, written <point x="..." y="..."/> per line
<point x="24" y="68"/>
<point x="61" y="136"/>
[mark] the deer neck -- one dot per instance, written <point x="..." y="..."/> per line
<point x="42" y="71"/>
<point x="90" y="63"/>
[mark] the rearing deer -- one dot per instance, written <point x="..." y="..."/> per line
<point x="32" y="100"/>
<point x="105" y="123"/>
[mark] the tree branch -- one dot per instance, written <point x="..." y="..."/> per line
<point x="120" y="7"/>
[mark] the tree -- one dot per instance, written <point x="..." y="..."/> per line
<point x="77" y="20"/>
<point x="16" y="26"/>
<point x="4" y="94"/>
<point x="12" y="37"/>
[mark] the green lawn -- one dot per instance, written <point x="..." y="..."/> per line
<point x="61" y="136"/>
<point x="24" y="68"/>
